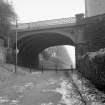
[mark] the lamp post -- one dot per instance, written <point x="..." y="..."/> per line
<point x="16" y="47"/>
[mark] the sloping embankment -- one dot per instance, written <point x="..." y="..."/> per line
<point x="92" y="66"/>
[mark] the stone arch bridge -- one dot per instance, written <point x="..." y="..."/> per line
<point x="34" y="37"/>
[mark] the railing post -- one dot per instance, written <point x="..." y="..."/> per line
<point x="16" y="46"/>
<point x="42" y="68"/>
<point x="71" y="68"/>
<point x="56" y="68"/>
<point x="30" y="68"/>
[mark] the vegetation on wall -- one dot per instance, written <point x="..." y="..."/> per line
<point x="7" y="16"/>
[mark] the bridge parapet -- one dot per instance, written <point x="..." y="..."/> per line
<point x="71" y="21"/>
<point x="45" y="24"/>
<point x="93" y="19"/>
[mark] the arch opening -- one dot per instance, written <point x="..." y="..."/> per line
<point x="57" y="57"/>
<point x="30" y="47"/>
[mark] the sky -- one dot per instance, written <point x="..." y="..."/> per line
<point x="39" y="10"/>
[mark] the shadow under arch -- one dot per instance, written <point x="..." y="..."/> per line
<point x="30" y="46"/>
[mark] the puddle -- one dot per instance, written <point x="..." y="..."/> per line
<point x="50" y="103"/>
<point x="70" y="96"/>
<point x="16" y="95"/>
<point x="4" y="99"/>
<point x="23" y="87"/>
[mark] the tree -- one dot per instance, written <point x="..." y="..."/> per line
<point x="7" y="15"/>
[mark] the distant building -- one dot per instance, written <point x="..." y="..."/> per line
<point x="55" y="57"/>
<point x="94" y="7"/>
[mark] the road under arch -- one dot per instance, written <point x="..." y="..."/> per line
<point x="30" y="46"/>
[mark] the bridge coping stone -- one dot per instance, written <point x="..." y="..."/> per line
<point x="45" y="24"/>
<point x="71" y="21"/>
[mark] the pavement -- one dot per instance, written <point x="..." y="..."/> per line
<point x="47" y="88"/>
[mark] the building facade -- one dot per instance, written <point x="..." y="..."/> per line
<point x="94" y="7"/>
<point x="55" y="57"/>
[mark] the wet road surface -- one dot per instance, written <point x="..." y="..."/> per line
<point x="48" y="88"/>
